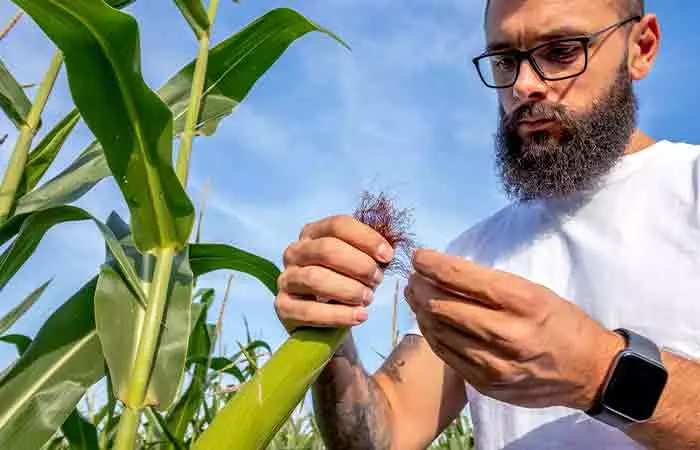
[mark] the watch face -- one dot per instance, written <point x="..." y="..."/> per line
<point x="635" y="387"/>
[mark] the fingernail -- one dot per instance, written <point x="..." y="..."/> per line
<point x="367" y="297"/>
<point x="378" y="276"/>
<point x="360" y="315"/>
<point x="384" y="253"/>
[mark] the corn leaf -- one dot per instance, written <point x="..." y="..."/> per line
<point x="108" y="430"/>
<point x="10" y="318"/>
<point x="41" y="158"/>
<point x="193" y="11"/>
<point x="187" y="407"/>
<point x="20" y="342"/>
<point x="161" y="427"/>
<point x="68" y="186"/>
<point x="235" y="65"/>
<point x="57" y="443"/>
<point x="225" y="365"/>
<point x="119" y="3"/>
<point x="80" y="434"/>
<point x="116" y="310"/>
<point x="206" y="258"/>
<point x="34" y="227"/>
<point x="13" y="100"/>
<point x="101" y="50"/>
<point x="38" y="394"/>
<point x="11" y="227"/>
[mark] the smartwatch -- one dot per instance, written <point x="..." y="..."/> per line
<point x="633" y="385"/>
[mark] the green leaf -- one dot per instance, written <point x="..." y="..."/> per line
<point x="11" y="227"/>
<point x="119" y="4"/>
<point x="57" y="443"/>
<point x="13" y="100"/>
<point x="235" y="65"/>
<point x="162" y="427"/>
<point x="225" y="365"/>
<point x="206" y="258"/>
<point x="41" y="158"/>
<point x="30" y="234"/>
<point x="69" y="185"/>
<point x="108" y="430"/>
<point x="20" y="342"/>
<point x="116" y="310"/>
<point x="81" y="434"/>
<point x="101" y="50"/>
<point x="187" y="407"/>
<point x="35" y="226"/>
<point x="40" y="391"/>
<point x="253" y="346"/>
<point x="10" y="318"/>
<point x="196" y="16"/>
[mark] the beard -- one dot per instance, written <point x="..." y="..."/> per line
<point x="587" y="146"/>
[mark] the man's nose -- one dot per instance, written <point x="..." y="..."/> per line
<point x="529" y="86"/>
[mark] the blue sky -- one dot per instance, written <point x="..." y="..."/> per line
<point x="403" y="111"/>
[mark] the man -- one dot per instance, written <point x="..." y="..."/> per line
<point x="521" y="314"/>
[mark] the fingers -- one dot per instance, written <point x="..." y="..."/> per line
<point x="295" y="311"/>
<point x="439" y="306"/>
<point x="336" y="255"/>
<point x="494" y="288"/>
<point x="330" y="273"/>
<point x="352" y="231"/>
<point x="468" y="355"/>
<point x="324" y="284"/>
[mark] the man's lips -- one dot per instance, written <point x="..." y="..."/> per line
<point x="529" y="126"/>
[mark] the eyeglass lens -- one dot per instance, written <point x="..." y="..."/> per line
<point x="555" y="61"/>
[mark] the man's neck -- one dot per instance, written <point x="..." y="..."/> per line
<point x="638" y="142"/>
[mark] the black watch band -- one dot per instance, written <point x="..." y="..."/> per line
<point x="645" y="349"/>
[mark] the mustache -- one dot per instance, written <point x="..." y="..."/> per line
<point x="536" y="111"/>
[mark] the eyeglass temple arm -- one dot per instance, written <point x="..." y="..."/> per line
<point x="597" y="34"/>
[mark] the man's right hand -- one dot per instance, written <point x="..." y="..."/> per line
<point x="330" y="274"/>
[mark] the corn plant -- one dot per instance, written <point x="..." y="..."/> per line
<point x="135" y="322"/>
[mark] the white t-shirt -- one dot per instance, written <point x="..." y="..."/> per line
<point x="629" y="257"/>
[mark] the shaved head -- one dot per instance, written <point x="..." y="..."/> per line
<point x="626" y="8"/>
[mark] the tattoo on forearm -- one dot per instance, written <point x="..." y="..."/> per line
<point x="393" y="364"/>
<point x="351" y="409"/>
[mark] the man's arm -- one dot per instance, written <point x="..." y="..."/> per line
<point x="404" y="405"/>
<point x="676" y="422"/>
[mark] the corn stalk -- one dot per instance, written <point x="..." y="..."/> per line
<point x="15" y="168"/>
<point x="158" y="295"/>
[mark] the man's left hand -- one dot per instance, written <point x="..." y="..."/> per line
<point x="511" y="339"/>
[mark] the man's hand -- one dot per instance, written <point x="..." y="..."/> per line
<point x="330" y="274"/>
<point x="509" y="338"/>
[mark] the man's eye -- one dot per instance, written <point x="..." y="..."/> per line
<point x="562" y="53"/>
<point x="503" y="63"/>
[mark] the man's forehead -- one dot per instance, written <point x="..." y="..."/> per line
<point x="525" y="22"/>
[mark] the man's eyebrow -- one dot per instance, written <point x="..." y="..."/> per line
<point x="556" y="33"/>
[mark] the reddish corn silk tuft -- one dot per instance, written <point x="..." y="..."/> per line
<point x="378" y="211"/>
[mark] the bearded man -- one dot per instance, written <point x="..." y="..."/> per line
<point x="568" y="320"/>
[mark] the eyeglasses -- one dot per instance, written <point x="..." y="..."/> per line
<point x="555" y="60"/>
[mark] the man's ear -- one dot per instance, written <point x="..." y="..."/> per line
<point x="644" y="44"/>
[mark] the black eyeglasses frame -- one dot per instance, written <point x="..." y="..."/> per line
<point x="522" y="55"/>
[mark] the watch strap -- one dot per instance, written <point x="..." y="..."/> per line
<point x="640" y="345"/>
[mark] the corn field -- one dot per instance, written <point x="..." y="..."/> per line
<point x="141" y="326"/>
